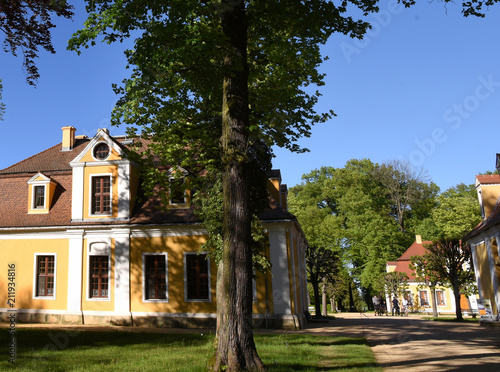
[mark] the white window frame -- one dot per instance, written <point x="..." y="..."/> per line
<point x="93" y="149"/>
<point x="154" y="300"/>
<point x="35" y="277"/>
<point x="170" y="180"/>
<point x="91" y="176"/>
<point x="186" y="281"/>
<point x="89" y="277"/>
<point x="33" y="196"/>
<point x="419" y="298"/>
<point x="444" y="298"/>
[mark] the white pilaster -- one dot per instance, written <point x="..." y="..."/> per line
<point x="280" y="279"/>
<point x="75" y="267"/>
<point x="77" y="192"/>
<point x="122" y="270"/>
<point x="124" y="191"/>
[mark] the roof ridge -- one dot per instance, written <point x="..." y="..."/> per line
<point x="31" y="157"/>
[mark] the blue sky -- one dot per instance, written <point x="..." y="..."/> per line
<point x="423" y="86"/>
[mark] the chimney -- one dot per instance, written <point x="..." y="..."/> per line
<point x="418" y="239"/>
<point x="283" y="196"/>
<point x="68" y="140"/>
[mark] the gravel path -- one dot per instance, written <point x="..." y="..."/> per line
<point x="414" y="344"/>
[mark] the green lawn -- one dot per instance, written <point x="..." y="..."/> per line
<point x="57" y="350"/>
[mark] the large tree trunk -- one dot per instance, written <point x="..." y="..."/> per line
<point x="434" y="301"/>
<point x="235" y="349"/>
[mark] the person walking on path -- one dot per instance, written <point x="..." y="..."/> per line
<point x="395" y="306"/>
<point x="376" y="304"/>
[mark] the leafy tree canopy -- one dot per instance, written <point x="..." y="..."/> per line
<point x="26" y="25"/>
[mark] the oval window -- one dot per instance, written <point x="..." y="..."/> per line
<point x="101" y="151"/>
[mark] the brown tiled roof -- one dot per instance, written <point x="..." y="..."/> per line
<point x="54" y="164"/>
<point x="14" y="202"/>
<point x="403" y="262"/>
<point x="52" y="159"/>
<point x="486" y="179"/>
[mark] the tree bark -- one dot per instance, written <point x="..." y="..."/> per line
<point x="434" y="302"/>
<point x="458" y="308"/>
<point x="235" y="348"/>
<point x="323" y="300"/>
<point x="317" y="304"/>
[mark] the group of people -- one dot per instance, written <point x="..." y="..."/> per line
<point x="381" y="308"/>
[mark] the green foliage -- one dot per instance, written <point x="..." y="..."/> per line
<point x="457" y="212"/>
<point x="394" y="282"/>
<point x="208" y="204"/>
<point x="26" y="25"/>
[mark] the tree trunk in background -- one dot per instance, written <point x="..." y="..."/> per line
<point x="323" y="298"/>
<point x="434" y="302"/>
<point x="458" y="308"/>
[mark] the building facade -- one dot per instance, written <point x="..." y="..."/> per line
<point x="485" y="244"/>
<point x="86" y="249"/>
<point x="418" y="292"/>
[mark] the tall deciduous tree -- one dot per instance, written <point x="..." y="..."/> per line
<point x="228" y="72"/>
<point x="27" y="25"/>
<point x="407" y="187"/>
<point x="451" y="262"/>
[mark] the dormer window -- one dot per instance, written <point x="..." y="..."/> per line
<point x="101" y="151"/>
<point x="177" y="191"/>
<point x="41" y="191"/>
<point x="39" y="197"/>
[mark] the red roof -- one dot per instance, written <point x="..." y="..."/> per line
<point x="403" y="262"/>
<point x="486" y="179"/>
<point x="54" y="164"/>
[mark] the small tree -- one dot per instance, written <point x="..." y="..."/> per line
<point x="451" y="261"/>
<point x="426" y="273"/>
<point x="395" y="283"/>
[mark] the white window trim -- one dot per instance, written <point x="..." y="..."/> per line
<point x="209" y="279"/>
<point x="87" y="294"/>
<point x="33" y="196"/>
<point x="95" y="145"/>
<point x="170" y="179"/>
<point x="91" y="176"/>
<point x="444" y="297"/>
<point x="428" y="298"/>
<point x="35" y="276"/>
<point x="154" y="300"/>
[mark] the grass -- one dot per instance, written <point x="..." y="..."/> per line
<point x="57" y="350"/>
<point x="450" y="319"/>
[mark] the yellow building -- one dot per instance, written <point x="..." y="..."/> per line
<point x="83" y="249"/>
<point x="418" y="293"/>
<point x="484" y="240"/>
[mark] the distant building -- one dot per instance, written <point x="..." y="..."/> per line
<point x="484" y="239"/>
<point x="87" y="250"/>
<point x="418" y="292"/>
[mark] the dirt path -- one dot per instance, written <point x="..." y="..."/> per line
<point x="414" y="344"/>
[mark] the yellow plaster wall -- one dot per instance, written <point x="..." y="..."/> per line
<point x="98" y="305"/>
<point x="21" y="252"/>
<point x="490" y="195"/>
<point x="89" y="158"/>
<point x="174" y="246"/>
<point x="273" y="186"/>
<point x="484" y="274"/>
<point x="105" y="169"/>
